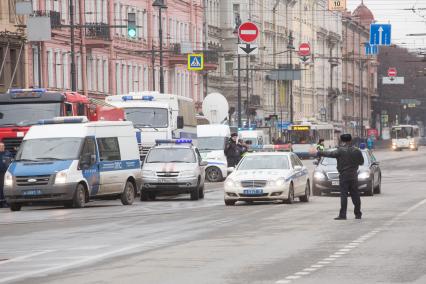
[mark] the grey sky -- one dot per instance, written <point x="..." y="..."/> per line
<point x="403" y="21"/>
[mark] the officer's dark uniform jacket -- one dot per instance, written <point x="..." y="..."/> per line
<point x="348" y="159"/>
<point x="233" y="154"/>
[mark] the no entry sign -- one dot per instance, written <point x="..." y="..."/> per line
<point x="392" y="72"/>
<point x="248" y="32"/>
<point x="304" y="49"/>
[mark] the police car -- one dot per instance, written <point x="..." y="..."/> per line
<point x="268" y="176"/>
<point x="173" y="166"/>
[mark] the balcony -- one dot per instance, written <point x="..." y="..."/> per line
<point x="211" y="57"/>
<point x="97" y="35"/>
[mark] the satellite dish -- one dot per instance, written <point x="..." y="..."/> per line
<point x="215" y="108"/>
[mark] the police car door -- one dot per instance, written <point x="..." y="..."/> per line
<point x="302" y="176"/>
<point x="112" y="179"/>
<point x="89" y="165"/>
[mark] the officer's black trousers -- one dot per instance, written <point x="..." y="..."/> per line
<point x="349" y="187"/>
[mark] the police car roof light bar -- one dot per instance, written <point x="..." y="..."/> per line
<point x="61" y="120"/>
<point x="139" y="98"/>
<point x="36" y="90"/>
<point x="173" y="141"/>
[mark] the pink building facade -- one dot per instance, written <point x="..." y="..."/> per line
<point x="108" y="62"/>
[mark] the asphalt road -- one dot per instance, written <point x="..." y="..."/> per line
<point x="180" y="241"/>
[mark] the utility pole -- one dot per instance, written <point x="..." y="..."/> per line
<point x="247" y="81"/>
<point x="205" y="40"/>
<point x="290" y="47"/>
<point x="153" y="64"/>
<point x="237" y="25"/>
<point x="160" y="33"/>
<point x="72" y="53"/>
<point x="361" y="115"/>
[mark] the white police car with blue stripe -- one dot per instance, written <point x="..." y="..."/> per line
<point x="268" y="176"/>
<point x="70" y="161"/>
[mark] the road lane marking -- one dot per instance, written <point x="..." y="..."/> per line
<point x="23" y="257"/>
<point x="352" y="245"/>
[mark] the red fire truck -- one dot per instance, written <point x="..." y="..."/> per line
<point x="21" y="108"/>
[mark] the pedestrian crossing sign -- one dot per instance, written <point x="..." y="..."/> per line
<point x="195" y="62"/>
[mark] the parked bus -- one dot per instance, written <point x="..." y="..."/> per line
<point x="305" y="136"/>
<point x="22" y="108"/>
<point x="405" y="137"/>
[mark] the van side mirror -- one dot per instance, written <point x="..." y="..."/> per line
<point x="204" y="163"/>
<point x="180" y="122"/>
<point x="230" y="169"/>
<point x="297" y="168"/>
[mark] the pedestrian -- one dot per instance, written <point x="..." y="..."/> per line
<point x="5" y="159"/>
<point x="370" y="142"/>
<point x="232" y="151"/>
<point x="320" y="145"/>
<point x="349" y="159"/>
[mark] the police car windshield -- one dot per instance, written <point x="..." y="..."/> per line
<point x="210" y="143"/>
<point x="147" y="117"/>
<point x="49" y="149"/>
<point x="171" y="155"/>
<point x="27" y="114"/>
<point x="266" y="162"/>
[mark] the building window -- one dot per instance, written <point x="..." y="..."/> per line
<point x="79" y="73"/>
<point x="35" y="67"/>
<point x="106" y="76"/>
<point x="145" y="78"/>
<point x="229" y="65"/>
<point x="236" y="13"/>
<point x="65" y="70"/>
<point x="58" y="70"/>
<point x="117" y="79"/>
<point x="89" y="73"/>
<point x="100" y="76"/>
<point x="50" y="68"/>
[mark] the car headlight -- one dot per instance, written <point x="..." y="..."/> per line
<point x="61" y="177"/>
<point x="278" y="182"/>
<point x="187" y="174"/>
<point x="319" y="176"/>
<point x="231" y="183"/>
<point x="146" y="173"/>
<point x="8" y="179"/>
<point x="364" y="175"/>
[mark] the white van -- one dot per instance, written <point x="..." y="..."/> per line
<point x="70" y="160"/>
<point x="211" y="141"/>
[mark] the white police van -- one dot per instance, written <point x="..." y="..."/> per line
<point x="70" y="160"/>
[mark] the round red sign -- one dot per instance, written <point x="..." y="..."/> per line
<point x="248" y="32"/>
<point x="304" y="49"/>
<point x="392" y="72"/>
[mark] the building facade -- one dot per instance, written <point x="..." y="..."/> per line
<point x="359" y="72"/>
<point x="107" y="60"/>
<point x="12" y="48"/>
<point x="306" y="21"/>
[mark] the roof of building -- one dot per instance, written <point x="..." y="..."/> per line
<point x="363" y="13"/>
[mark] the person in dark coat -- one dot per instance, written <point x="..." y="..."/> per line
<point x="5" y="159"/>
<point x="349" y="159"/>
<point x="233" y="151"/>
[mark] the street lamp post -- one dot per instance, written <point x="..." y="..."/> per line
<point x="160" y="4"/>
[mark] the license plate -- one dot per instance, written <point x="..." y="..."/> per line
<point x="168" y="180"/>
<point x="335" y="182"/>
<point x="32" y="192"/>
<point x="253" y="191"/>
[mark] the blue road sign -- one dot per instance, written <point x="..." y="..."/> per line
<point x="195" y="61"/>
<point x="380" y="34"/>
<point x="371" y="49"/>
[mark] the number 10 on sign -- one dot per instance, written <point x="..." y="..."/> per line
<point x="337" y="5"/>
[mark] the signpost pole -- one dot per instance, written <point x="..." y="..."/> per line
<point x="247" y="81"/>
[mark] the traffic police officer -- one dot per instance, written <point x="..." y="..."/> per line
<point x="349" y="159"/>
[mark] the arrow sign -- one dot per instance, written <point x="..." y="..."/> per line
<point x="380" y="34"/>
<point x="248" y="49"/>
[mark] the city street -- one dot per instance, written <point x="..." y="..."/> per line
<point x="180" y="241"/>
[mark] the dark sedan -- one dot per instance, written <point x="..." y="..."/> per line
<point x="326" y="178"/>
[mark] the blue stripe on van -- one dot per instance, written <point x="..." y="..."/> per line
<point x="119" y="165"/>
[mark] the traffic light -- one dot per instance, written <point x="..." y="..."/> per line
<point x="131" y="25"/>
